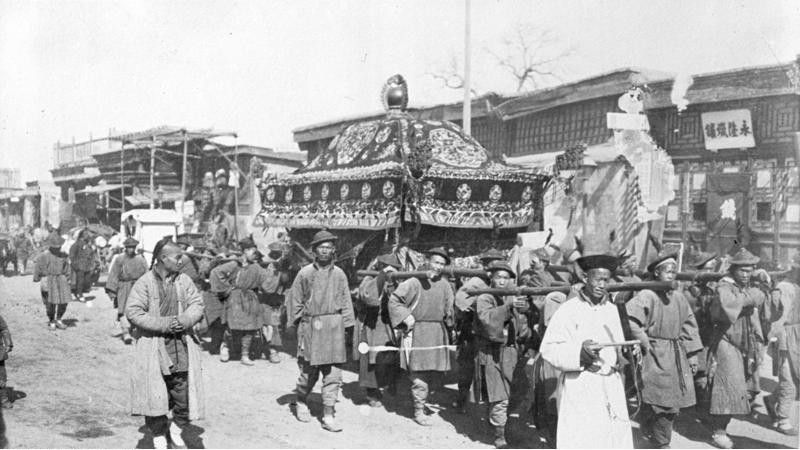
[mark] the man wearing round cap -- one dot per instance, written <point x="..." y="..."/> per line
<point x="163" y="308"/>
<point x="665" y="325"/>
<point x="784" y="348"/>
<point x="124" y="271"/>
<point x="423" y="310"/>
<point x="238" y="282"/>
<point x="319" y="305"/>
<point x="733" y="355"/>
<point x="465" y="320"/>
<point x="592" y="410"/>
<point x="373" y="327"/>
<point x="52" y="269"/>
<point x="502" y="336"/>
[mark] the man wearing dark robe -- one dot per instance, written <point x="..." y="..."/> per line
<point x="503" y="336"/>
<point x="319" y="305"/>
<point x="423" y="310"/>
<point x="733" y="353"/>
<point x="665" y="325"/>
<point x="81" y="258"/>
<point x="465" y="320"/>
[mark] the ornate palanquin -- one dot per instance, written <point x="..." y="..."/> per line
<point x="379" y="174"/>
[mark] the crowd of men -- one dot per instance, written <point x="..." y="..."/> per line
<point x="579" y="360"/>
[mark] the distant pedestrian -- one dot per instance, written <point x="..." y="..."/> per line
<point x="52" y="269"/>
<point x="81" y="257"/>
<point x="6" y="345"/>
<point x="125" y="270"/>
<point x="163" y="307"/>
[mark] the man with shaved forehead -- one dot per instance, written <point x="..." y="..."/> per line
<point x="592" y="410"/>
<point x="665" y="324"/>
<point x="162" y="308"/>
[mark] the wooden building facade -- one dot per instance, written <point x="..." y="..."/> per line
<point x="759" y="178"/>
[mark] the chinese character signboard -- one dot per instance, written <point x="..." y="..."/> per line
<point x="728" y="129"/>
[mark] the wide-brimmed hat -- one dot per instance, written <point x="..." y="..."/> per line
<point x="701" y="259"/>
<point x="130" y="242"/>
<point x="221" y="173"/>
<point x="491" y="255"/>
<point x="662" y="259"/>
<point x="55" y="240"/>
<point x="494" y="266"/>
<point x="744" y="258"/>
<point x="589" y="262"/>
<point x="184" y="239"/>
<point x="389" y="259"/>
<point x="323" y="236"/>
<point x="441" y="252"/>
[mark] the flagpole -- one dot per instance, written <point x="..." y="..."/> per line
<point x="467" y="109"/>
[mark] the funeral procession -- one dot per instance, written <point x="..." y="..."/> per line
<point x="400" y="224"/>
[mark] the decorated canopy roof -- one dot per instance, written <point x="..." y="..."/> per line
<point x="377" y="173"/>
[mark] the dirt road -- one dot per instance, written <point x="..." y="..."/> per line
<point x="73" y="386"/>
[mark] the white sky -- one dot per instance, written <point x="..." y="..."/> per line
<point x="262" y="68"/>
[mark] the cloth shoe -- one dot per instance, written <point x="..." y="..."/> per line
<point x="500" y="437"/>
<point x="421" y="419"/>
<point x="175" y="436"/>
<point x="247" y="361"/>
<point x="329" y="422"/>
<point x="782" y="426"/>
<point x="224" y="354"/>
<point x="60" y="325"/>
<point x="274" y="357"/>
<point x="52" y="325"/>
<point x="301" y="412"/>
<point x="159" y="442"/>
<point x="5" y="402"/>
<point x="721" y="440"/>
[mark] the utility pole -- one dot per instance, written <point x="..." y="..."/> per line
<point x="183" y="176"/>
<point x="152" y="173"/>
<point x="467" y="108"/>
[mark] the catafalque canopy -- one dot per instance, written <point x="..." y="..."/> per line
<point x="376" y="174"/>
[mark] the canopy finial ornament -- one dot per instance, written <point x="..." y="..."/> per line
<point x="395" y="93"/>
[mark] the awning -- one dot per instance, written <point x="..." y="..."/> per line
<point x="99" y="189"/>
<point x="143" y="197"/>
<point x="594" y="154"/>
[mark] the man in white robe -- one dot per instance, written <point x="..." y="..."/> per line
<point x="592" y="411"/>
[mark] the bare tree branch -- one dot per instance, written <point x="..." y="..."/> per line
<point x="451" y="76"/>
<point x="531" y="55"/>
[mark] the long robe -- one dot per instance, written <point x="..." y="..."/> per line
<point x="149" y="396"/>
<point x="271" y="298"/>
<point x="55" y="271"/>
<point x="240" y="284"/>
<point x="319" y="304"/>
<point x="125" y="270"/>
<point x="592" y="411"/>
<point x="666" y="321"/>
<point x="431" y="304"/>
<point x="373" y="327"/>
<point x="787" y="329"/>
<point x="502" y="335"/>
<point x="545" y="393"/>
<point x="733" y="354"/>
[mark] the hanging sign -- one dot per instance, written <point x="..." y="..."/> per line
<point x="728" y="129"/>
